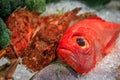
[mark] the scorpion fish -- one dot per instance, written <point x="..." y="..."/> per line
<point x="87" y="42"/>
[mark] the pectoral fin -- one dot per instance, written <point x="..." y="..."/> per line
<point x="110" y="45"/>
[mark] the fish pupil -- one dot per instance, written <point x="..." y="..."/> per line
<point x="80" y="42"/>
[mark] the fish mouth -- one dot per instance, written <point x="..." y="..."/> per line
<point x="69" y="58"/>
<point x="74" y="60"/>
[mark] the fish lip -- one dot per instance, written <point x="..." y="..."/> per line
<point x="66" y="50"/>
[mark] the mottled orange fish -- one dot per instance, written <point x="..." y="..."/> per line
<point x="87" y="42"/>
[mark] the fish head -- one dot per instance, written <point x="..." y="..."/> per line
<point x="77" y="49"/>
<point x="87" y="42"/>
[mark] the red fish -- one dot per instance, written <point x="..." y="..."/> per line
<point x="87" y="42"/>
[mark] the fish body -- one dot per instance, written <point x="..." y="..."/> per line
<point x="87" y="42"/>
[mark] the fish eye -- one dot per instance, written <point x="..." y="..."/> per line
<point x="82" y="42"/>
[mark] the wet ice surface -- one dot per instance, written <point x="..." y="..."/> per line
<point x="106" y="69"/>
<point x="22" y="73"/>
<point x="3" y="61"/>
<point x="110" y="12"/>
